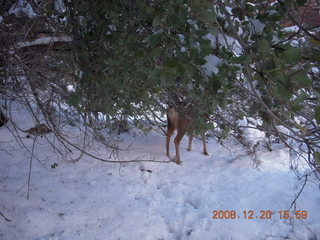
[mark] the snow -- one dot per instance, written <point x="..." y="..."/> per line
<point x="226" y="41"/>
<point x="283" y="130"/>
<point x="90" y="199"/>
<point x="294" y="28"/>
<point x="18" y="9"/>
<point x="257" y="26"/>
<point x="250" y="132"/>
<point x="59" y="6"/>
<point x="315" y="70"/>
<point x="229" y="10"/>
<point x="212" y="64"/>
<point x="71" y="88"/>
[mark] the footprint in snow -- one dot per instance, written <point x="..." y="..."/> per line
<point x="195" y="202"/>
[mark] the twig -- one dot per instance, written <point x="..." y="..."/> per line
<point x="30" y="167"/>
<point x="316" y="38"/>
<point x="296" y="198"/>
<point x="7" y="219"/>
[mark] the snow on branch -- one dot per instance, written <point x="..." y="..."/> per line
<point x="44" y="41"/>
<point x="18" y="9"/>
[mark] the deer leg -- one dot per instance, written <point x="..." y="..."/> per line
<point x="169" y="134"/>
<point x="204" y="144"/>
<point x="190" y="142"/>
<point x="177" y="140"/>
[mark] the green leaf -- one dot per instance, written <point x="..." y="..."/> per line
<point x="302" y="79"/>
<point x="244" y="59"/>
<point x="139" y="53"/>
<point x="275" y="17"/>
<point x="317" y="114"/>
<point x="297" y="107"/>
<point x="225" y="133"/>
<point x="317" y="156"/>
<point x="292" y="55"/>
<point x="300" y="98"/>
<point x="73" y="99"/>
<point x="183" y="57"/>
<point x="238" y="12"/>
<point x="207" y="15"/>
<point x="213" y="30"/>
<point x="156" y="52"/>
<point x="263" y="46"/>
<point x="301" y="2"/>
<point x="194" y="53"/>
<point x="171" y="63"/>
<point x="199" y="61"/>
<point x="149" y="10"/>
<point x="156" y="21"/>
<point x="202" y="32"/>
<point x="282" y="93"/>
<point x="175" y="20"/>
<point x="155" y="74"/>
<point x="205" y="52"/>
<point x="197" y="76"/>
<point x="250" y="8"/>
<point x="315" y="54"/>
<point x="154" y="40"/>
<point x="205" y="44"/>
<point x="222" y="101"/>
<point x="167" y="78"/>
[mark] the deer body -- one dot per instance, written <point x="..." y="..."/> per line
<point x="182" y="123"/>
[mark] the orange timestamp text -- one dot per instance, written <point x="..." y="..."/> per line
<point x="262" y="214"/>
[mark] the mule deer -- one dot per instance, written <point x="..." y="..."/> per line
<point x="182" y="123"/>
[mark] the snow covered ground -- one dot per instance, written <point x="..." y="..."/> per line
<point x="95" y="200"/>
